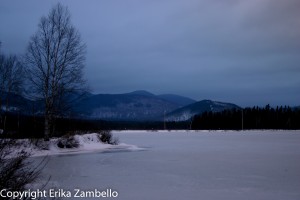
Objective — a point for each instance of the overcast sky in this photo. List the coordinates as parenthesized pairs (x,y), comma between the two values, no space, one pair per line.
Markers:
(240,51)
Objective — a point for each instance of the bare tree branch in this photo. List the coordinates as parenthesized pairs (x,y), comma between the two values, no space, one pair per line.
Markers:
(17,171)
(11,81)
(55,61)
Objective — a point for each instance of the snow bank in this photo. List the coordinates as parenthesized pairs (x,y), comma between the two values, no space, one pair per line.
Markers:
(87,143)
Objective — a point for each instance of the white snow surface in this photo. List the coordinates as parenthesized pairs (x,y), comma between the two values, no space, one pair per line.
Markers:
(189,165)
(87,143)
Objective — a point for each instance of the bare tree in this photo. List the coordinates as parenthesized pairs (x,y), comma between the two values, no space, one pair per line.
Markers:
(54,62)
(11,79)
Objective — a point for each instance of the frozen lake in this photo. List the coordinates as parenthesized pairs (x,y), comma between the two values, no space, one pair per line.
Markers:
(224,165)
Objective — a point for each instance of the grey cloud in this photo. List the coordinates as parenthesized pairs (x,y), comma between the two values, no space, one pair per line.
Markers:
(242,51)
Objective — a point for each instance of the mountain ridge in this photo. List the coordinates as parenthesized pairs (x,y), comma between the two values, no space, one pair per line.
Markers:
(183,101)
(139,105)
(186,112)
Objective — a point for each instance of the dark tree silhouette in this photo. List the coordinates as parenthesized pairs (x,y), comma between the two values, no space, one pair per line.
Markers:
(11,80)
(253,118)
(54,63)
(16,171)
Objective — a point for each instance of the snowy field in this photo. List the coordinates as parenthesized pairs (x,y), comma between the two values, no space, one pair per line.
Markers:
(180,165)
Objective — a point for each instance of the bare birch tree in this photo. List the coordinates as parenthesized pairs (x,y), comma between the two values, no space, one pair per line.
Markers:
(54,62)
(11,79)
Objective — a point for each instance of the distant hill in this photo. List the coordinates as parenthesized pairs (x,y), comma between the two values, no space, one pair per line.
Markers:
(22,105)
(137,105)
(180,100)
(129,106)
(16,103)
(199,107)
(141,92)
(133,106)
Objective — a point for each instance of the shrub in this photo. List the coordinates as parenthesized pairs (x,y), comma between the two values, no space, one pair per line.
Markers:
(16,171)
(106,136)
(41,144)
(67,142)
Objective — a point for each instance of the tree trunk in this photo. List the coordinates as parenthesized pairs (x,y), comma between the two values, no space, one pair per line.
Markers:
(1,126)
(4,124)
(19,122)
(53,125)
(47,128)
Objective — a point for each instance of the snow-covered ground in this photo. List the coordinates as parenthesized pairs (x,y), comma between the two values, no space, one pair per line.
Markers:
(208,165)
(87,143)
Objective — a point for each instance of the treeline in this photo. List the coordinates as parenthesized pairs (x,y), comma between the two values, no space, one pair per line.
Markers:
(249,118)
(29,126)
